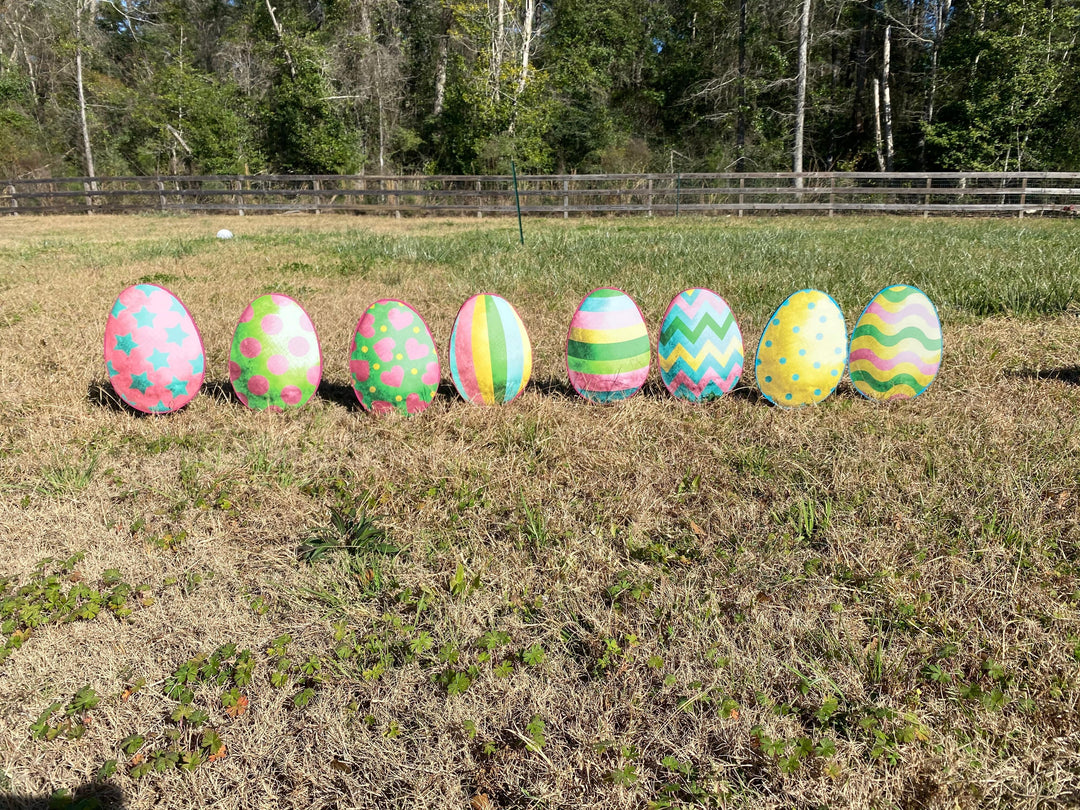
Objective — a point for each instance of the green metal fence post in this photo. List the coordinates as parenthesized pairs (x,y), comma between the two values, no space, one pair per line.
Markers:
(517,202)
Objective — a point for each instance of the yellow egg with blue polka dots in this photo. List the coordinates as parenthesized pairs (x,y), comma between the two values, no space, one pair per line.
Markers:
(803,351)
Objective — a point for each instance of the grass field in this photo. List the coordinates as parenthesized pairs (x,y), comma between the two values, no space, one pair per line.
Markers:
(570,605)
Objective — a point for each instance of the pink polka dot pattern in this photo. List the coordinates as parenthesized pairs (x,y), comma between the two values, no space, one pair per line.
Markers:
(393,360)
(276,354)
(271,324)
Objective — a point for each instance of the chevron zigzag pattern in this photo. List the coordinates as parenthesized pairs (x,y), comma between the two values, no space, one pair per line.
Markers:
(700,351)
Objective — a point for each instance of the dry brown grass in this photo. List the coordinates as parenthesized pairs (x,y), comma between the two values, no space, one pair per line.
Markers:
(702,581)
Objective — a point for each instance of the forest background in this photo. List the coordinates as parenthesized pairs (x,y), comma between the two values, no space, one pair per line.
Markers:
(136,87)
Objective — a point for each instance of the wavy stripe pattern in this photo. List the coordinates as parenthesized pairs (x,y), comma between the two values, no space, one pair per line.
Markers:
(607,347)
(700,351)
(896,347)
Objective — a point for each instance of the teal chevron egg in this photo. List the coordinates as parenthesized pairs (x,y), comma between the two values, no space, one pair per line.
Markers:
(700,352)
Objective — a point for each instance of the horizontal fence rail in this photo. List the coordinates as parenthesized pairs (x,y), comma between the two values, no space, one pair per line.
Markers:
(938,193)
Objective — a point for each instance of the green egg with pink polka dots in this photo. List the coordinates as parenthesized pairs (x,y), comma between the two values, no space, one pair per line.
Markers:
(276,362)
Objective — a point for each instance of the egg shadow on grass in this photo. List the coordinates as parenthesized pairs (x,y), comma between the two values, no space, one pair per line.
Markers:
(103,395)
(1070,375)
(553,387)
(220,391)
(747,392)
(344,394)
(101,795)
(340,394)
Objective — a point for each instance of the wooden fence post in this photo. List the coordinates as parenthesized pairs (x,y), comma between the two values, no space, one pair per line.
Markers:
(1023,196)
(832,195)
(161,193)
(565,200)
(10,191)
(742,198)
(317,186)
(926,199)
(238,187)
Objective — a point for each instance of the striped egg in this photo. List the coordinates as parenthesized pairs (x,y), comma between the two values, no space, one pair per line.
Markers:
(275,362)
(490,352)
(153,351)
(701,348)
(393,360)
(607,348)
(896,345)
(803,350)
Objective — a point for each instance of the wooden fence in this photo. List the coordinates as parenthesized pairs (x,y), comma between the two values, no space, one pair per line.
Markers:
(980,193)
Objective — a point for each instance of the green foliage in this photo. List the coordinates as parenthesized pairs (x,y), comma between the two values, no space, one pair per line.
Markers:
(356,533)
(1014,82)
(58,593)
(303,131)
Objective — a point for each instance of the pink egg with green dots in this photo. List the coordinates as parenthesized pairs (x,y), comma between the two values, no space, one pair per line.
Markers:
(276,361)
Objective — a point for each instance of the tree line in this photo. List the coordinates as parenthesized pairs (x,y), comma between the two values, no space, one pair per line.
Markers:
(122,87)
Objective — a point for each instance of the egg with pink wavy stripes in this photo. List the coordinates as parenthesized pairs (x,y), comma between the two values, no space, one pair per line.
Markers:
(393,361)
(897,345)
(276,361)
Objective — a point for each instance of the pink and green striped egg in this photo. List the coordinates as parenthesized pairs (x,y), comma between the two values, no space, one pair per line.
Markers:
(276,361)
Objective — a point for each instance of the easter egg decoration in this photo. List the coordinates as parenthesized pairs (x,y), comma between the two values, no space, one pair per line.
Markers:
(896,345)
(276,361)
(153,350)
(803,351)
(490,351)
(607,347)
(700,351)
(392,359)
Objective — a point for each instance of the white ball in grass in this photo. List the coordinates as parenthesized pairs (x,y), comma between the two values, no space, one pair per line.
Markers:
(224,233)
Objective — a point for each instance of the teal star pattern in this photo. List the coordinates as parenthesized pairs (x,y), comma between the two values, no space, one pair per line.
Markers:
(146,289)
(176,306)
(178,387)
(126,344)
(140,382)
(160,407)
(197,364)
(176,334)
(158,359)
(117,308)
(144,317)
(109,367)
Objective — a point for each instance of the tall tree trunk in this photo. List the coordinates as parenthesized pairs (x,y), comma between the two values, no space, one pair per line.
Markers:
(526,43)
(877,124)
(280,31)
(440,76)
(498,47)
(88,151)
(886,99)
(800,92)
(740,132)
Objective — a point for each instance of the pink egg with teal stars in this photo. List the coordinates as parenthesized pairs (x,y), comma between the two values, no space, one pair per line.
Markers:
(275,362)
(153,352)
